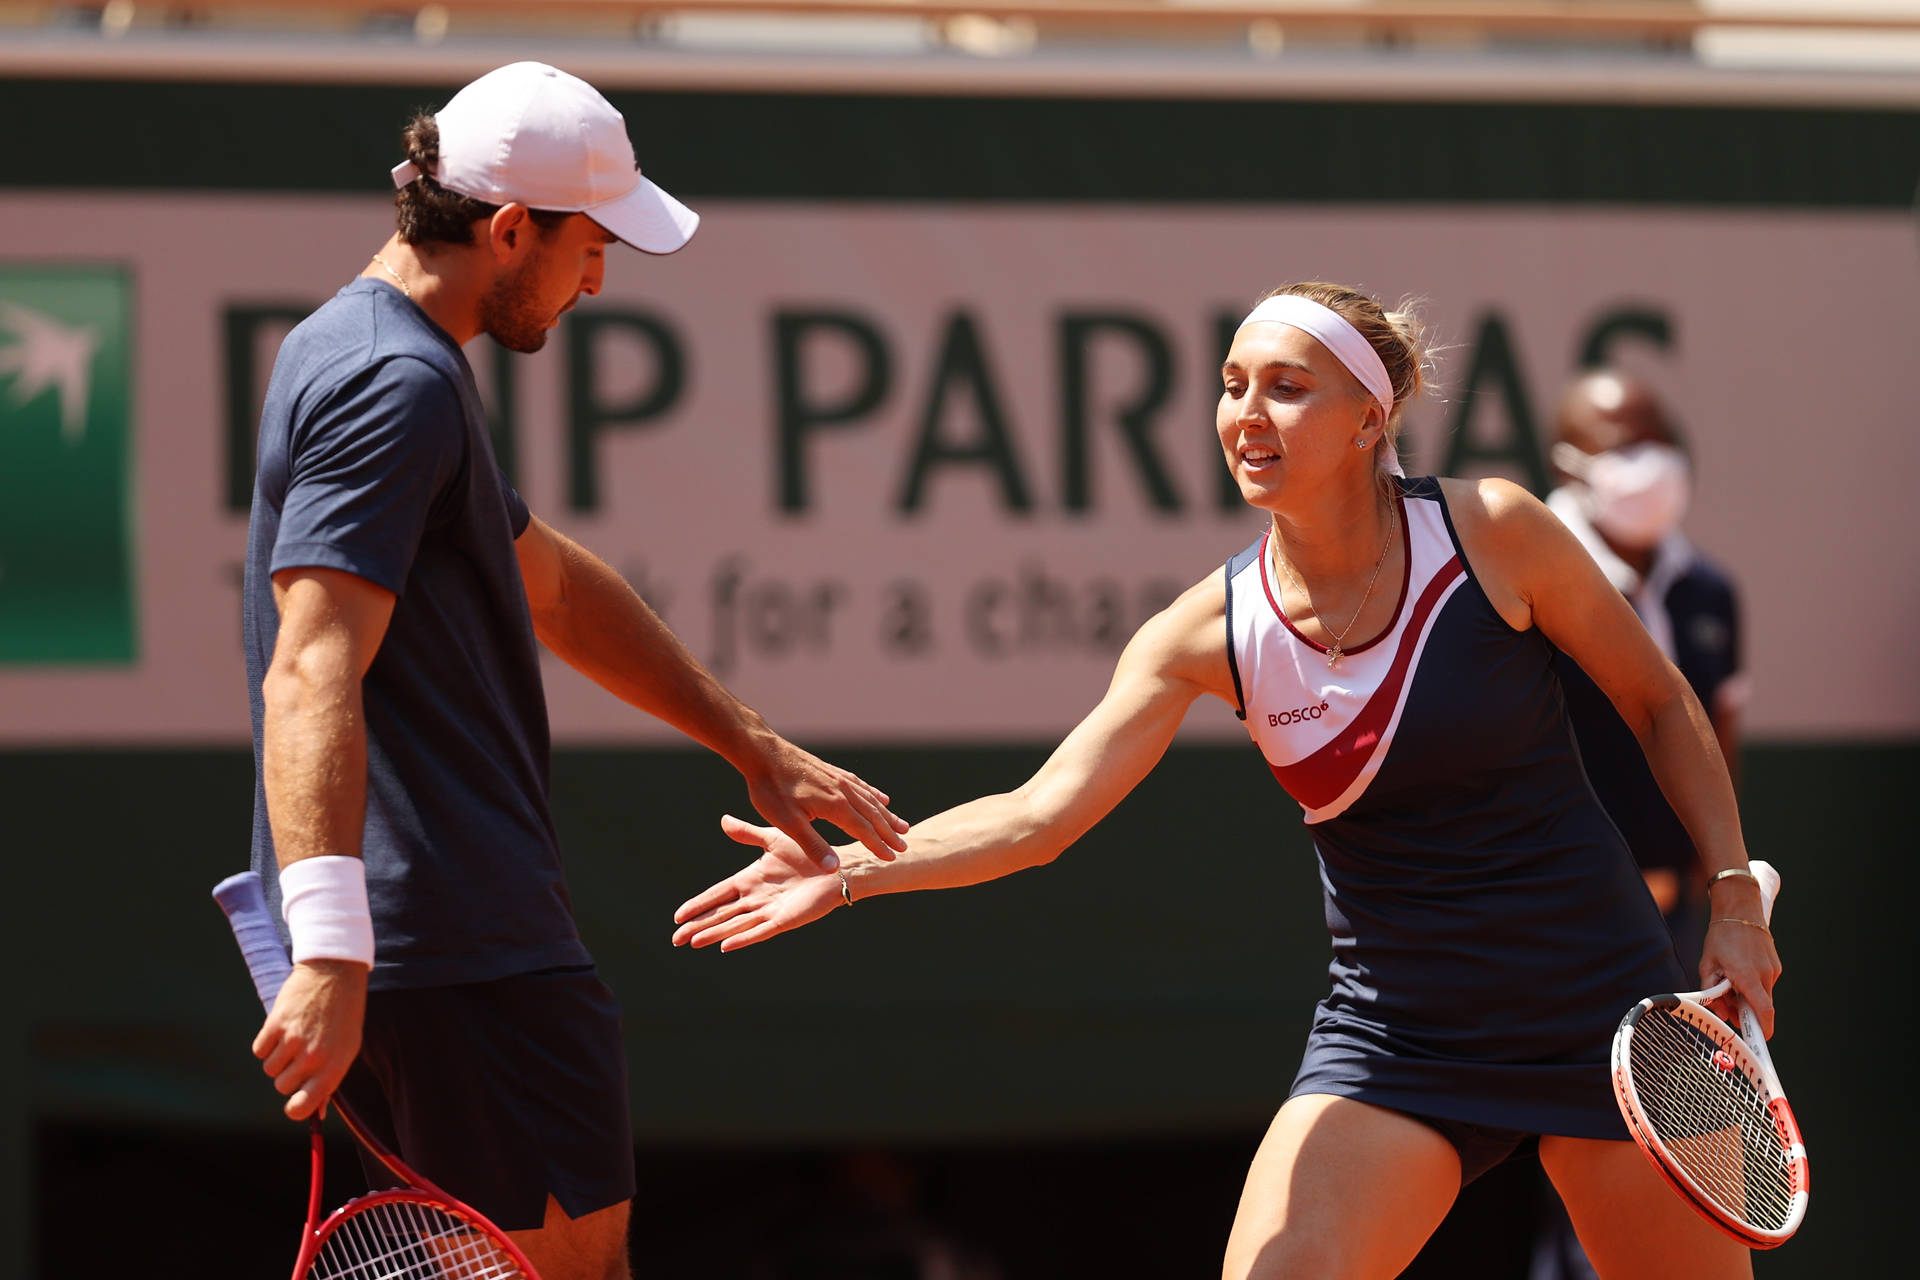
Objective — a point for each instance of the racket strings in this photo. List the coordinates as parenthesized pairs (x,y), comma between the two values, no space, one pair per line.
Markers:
(1711,1118)
(405,1240)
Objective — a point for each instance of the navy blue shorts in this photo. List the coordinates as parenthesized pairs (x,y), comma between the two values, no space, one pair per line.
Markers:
(503,1092)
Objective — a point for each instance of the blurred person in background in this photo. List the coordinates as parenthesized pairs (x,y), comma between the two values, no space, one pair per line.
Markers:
(1625,482)
(1625,486)
(1390,645)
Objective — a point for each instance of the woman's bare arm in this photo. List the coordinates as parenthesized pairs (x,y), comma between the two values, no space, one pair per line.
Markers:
(1176,656)
(1537,574)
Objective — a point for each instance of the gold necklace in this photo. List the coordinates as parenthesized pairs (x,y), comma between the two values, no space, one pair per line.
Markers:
(1334,650)
(404,288)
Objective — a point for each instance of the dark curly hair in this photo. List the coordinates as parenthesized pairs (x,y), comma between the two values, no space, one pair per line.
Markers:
(428,212)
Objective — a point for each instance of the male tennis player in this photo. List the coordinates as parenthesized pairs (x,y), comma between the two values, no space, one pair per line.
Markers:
(396,586)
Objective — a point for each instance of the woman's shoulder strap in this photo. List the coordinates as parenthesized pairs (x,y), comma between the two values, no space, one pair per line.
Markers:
(1419,487)
(1234,568)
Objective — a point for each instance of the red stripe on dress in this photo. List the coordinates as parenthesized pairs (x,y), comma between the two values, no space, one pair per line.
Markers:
(1323,777)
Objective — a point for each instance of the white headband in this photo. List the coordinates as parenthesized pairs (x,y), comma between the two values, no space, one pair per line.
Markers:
(1336,334)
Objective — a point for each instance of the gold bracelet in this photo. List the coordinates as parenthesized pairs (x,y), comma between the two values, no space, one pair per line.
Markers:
(1752,924)
(846,891)
(1718,876)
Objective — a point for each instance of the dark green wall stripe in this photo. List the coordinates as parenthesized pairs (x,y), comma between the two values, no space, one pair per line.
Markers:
(183,136)
(1180,942)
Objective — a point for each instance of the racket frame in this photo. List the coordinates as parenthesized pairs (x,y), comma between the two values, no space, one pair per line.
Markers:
(320,1230)
(1748,1054)
(1747,1049)
(244,901)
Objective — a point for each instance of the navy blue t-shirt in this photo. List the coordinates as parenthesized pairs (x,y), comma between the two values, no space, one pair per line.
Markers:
(374,459)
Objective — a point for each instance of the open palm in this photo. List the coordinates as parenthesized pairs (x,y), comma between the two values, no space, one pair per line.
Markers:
(782,889)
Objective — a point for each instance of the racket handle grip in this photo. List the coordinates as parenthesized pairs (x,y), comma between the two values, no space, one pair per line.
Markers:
(1769,886)
(1750,1026)
(245,903)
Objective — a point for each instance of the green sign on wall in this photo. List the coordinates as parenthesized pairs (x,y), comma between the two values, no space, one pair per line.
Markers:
(66,566)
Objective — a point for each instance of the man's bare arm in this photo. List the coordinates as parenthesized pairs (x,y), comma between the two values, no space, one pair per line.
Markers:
(314,750)
(314,769)
(597,624)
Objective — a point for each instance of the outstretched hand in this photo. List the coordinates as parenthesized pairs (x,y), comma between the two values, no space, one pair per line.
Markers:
(782,889)
(792,788)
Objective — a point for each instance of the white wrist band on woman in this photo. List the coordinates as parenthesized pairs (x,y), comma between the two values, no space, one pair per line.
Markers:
(324,901)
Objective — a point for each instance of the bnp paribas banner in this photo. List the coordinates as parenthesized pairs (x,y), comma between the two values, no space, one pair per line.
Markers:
(67,576)
(913,473)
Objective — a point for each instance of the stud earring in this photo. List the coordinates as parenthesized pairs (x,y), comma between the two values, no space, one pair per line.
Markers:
(1361,443)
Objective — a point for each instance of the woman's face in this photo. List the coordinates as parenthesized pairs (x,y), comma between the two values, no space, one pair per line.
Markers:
(1289,414)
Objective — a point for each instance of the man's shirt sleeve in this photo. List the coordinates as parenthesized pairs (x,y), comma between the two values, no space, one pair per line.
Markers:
(370,470)
(518,516)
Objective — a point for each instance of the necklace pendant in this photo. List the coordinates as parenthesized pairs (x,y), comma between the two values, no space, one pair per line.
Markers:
(1333,654)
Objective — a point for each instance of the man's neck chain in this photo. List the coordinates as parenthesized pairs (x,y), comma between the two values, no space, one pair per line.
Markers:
(388,268)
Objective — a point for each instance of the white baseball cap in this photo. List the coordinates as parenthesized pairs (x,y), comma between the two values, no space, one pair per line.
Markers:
(532,134)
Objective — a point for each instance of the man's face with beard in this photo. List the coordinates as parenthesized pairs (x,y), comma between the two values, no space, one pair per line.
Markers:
(529,298)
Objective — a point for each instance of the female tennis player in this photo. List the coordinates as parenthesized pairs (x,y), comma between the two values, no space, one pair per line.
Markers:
(1389,644)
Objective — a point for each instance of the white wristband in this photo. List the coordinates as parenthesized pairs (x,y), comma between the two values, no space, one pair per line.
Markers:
(324,901)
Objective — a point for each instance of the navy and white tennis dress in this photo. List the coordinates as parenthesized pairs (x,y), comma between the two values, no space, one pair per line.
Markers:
(1489,926)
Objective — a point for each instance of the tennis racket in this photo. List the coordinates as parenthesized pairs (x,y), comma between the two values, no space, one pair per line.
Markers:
(412,1232)
(1705,1105)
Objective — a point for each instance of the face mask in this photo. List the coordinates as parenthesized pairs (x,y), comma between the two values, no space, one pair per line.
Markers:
(1635,496)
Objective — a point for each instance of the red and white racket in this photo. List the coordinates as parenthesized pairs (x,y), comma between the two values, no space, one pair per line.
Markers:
(414,1231)
(1705,1105)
